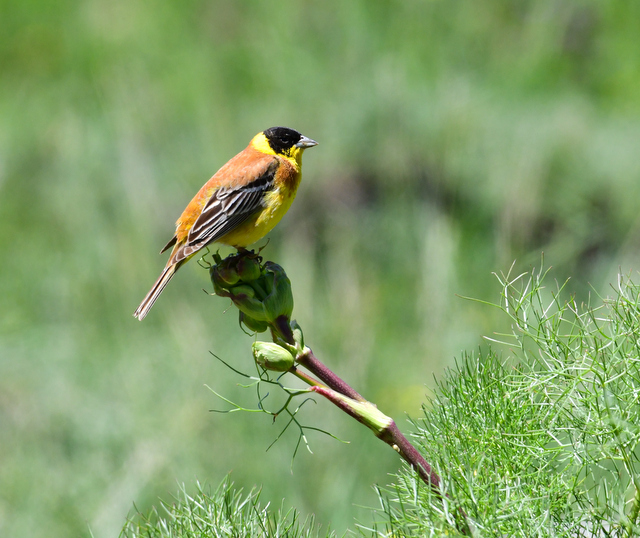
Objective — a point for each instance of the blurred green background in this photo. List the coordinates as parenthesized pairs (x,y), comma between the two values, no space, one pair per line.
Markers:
(455,137)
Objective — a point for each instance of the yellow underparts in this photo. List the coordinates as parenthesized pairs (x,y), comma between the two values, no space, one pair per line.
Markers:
(277,204)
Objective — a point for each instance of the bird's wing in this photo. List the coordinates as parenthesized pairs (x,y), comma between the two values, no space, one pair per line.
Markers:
(227,209)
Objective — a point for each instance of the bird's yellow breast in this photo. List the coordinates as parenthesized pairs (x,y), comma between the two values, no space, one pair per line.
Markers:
(276,203)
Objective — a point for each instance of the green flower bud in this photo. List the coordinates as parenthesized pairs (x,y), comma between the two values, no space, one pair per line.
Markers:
(242,291)
(219,291)
(224,274)
(244,297)
(272,356)
(253,324)
(279,301)
(261,293)
(248,268)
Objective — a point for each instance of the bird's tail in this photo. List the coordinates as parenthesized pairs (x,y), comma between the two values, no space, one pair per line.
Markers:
(155,291)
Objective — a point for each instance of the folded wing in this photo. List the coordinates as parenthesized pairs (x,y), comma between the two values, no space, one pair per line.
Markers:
(227,209)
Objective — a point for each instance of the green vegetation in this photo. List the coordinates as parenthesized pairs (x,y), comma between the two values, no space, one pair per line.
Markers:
(224,512)
(544,441)
(454,138)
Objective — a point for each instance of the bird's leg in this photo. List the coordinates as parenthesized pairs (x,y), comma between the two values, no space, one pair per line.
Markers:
(242,252)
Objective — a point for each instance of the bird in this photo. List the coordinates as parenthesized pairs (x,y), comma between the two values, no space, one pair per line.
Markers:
(240,204)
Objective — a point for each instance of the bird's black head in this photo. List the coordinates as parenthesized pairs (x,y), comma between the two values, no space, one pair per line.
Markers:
(282,139)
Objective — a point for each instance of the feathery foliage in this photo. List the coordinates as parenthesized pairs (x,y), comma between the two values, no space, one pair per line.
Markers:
(543,441)
(539,441)
(222,513)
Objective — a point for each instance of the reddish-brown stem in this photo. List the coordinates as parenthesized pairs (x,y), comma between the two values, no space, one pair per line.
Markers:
(311,363)
(394,438)
(390,433)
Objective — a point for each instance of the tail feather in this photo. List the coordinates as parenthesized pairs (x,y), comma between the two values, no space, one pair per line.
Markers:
(146,304)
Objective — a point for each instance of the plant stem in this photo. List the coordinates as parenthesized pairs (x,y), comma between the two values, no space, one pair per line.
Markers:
(394,438)
(351,402)
(633,517)
(305,377)
(311,363)
(390,434)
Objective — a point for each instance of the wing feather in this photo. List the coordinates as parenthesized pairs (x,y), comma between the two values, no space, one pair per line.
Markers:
(227,209)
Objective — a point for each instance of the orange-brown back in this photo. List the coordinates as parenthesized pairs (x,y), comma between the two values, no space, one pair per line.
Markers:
(240,170)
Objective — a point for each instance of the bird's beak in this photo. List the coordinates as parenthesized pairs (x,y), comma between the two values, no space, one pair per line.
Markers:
(306,143)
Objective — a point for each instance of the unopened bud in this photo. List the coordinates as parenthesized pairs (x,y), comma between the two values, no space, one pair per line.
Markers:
(279,301)
(244,297)
(224,275)
(262,293)
(272,356)
(253,324)
(248,268)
